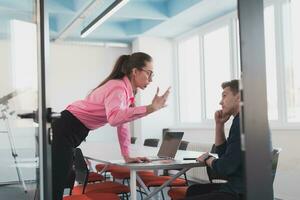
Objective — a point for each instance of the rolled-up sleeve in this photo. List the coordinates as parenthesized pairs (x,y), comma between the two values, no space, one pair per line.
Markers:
(230,161)
(124,138)
(221,149)
(117,110)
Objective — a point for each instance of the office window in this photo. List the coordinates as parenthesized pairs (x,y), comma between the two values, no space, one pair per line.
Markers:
(270,50)
(217,69)
(189,80)
(215,63)
(293,75)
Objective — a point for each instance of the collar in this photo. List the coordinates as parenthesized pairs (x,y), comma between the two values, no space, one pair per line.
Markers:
(237,115)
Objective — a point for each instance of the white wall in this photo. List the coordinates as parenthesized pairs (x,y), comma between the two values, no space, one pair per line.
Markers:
(161,51)
(74,71)
(5,68)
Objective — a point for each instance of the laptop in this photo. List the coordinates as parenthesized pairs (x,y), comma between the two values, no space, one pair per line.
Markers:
(169,146)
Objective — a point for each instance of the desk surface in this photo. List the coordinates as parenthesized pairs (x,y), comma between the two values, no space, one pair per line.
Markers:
(111,154)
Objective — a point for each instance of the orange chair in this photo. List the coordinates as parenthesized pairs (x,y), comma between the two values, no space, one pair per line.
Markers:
(95,177)
(109,168)
(157,181)
(81,177)
(93,196)
(124,173)
(177,193)
(105,187)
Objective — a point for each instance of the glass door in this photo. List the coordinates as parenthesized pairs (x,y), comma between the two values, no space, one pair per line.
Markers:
(24,153)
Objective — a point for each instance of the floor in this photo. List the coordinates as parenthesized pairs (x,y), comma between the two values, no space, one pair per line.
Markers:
(16,192)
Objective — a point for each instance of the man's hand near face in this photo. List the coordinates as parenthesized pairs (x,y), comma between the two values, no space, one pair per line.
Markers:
(220,119)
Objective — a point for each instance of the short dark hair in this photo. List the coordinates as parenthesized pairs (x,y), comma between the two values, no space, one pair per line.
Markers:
(233,85)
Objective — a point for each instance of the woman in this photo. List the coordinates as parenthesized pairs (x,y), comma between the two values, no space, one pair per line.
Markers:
(111,102)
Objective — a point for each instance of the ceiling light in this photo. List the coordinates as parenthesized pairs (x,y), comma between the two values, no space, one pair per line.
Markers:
(114,7)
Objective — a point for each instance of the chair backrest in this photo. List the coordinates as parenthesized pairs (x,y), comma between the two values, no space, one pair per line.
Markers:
(212,175)
(81,169)
(151,142)
(275,157)
(133,140)
(183,145)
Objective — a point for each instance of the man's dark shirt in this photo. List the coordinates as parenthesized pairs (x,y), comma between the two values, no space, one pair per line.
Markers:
(230,163)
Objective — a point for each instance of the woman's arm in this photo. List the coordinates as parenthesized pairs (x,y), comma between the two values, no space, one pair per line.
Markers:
(118,112)
(124,141)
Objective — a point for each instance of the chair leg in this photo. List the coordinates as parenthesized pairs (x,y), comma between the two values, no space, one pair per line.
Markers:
(186,180)
(162,194)
(140,191)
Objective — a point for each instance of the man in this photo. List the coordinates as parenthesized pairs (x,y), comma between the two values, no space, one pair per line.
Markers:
(229,163)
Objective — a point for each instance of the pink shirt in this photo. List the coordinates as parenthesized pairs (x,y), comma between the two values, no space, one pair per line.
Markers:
(110,104)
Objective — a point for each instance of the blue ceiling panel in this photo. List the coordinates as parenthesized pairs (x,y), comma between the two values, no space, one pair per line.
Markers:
(58,6)
(143,10)
(193,17)
(19,5)
(177,6)
(57,21)
(160,18)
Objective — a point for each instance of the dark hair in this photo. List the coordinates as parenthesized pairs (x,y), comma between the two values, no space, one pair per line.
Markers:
(233,85)
(125,64)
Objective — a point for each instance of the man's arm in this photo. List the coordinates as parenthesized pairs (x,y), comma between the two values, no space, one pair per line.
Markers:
(219,134)
(220,120)
(229,162)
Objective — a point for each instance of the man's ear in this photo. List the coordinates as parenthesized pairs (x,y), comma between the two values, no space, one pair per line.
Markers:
(238,96)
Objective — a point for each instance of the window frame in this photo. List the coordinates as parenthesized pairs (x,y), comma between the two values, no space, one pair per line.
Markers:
(281,60)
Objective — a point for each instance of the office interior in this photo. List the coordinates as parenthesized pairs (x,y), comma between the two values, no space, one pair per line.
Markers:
(195,47)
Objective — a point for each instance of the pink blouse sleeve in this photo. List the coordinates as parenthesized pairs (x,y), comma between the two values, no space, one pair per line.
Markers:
(117,110)
(124,138)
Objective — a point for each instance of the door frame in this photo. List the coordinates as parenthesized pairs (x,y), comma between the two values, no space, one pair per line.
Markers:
(255,131)
(44,172)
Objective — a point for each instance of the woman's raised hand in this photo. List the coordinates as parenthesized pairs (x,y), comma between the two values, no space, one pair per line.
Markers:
(158,102)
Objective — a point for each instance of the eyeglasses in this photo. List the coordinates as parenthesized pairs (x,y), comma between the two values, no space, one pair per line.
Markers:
(149,73)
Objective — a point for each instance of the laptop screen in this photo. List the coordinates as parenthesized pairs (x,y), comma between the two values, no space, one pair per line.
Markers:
(170,144)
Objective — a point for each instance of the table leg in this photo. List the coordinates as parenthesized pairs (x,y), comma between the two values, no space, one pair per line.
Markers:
(133,185)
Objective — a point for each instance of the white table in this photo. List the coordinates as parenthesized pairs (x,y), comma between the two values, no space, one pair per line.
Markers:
(110,154)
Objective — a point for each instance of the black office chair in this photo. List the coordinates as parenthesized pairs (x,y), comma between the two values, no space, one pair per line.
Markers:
(133,140)
(151,142)
(81,176)
(183,145)
(275,157)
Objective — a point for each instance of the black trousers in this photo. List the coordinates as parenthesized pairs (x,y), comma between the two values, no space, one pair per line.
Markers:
(68,133)
(209,192)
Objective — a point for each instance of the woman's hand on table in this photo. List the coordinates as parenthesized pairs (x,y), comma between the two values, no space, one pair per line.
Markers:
(136,159)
